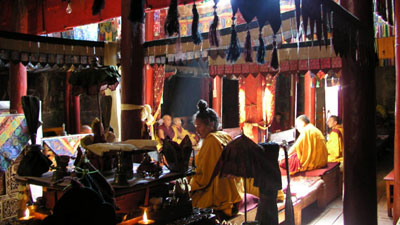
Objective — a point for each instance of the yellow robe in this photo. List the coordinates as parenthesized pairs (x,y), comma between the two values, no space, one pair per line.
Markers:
(335,145)
(179,136)
(311,149)
(223,192)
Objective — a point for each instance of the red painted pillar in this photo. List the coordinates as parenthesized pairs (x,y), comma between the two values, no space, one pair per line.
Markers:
(396,197)
(293,99)
(18,86)
(18,83)
(309,97)
(217,95)
(133,75)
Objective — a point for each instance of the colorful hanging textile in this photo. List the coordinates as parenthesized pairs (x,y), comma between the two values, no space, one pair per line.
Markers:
(386,48)
(159,77)
(14,137)
(64,145)
(110,30)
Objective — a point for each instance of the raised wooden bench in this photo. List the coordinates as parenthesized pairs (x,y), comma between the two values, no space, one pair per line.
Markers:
(389,180)
(321,185)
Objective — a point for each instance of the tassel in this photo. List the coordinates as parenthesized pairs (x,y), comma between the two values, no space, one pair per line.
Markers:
(98,5)
(213,33)
(261,49)
(325,24)
(247,48)
(171,25)
(196,36)
(137,11)
(298,12)
(234,49)
(274,59)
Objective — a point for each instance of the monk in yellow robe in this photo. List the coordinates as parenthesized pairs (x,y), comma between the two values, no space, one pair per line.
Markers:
(335,143)
(181,132)
(208,190)
(309,151)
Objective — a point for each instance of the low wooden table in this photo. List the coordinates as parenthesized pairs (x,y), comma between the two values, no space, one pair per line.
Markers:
(389,180)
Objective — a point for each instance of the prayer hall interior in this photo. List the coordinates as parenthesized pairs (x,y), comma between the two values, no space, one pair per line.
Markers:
(190,112)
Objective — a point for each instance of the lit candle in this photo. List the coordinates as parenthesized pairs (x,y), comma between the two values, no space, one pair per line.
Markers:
(145,220)
(27,215)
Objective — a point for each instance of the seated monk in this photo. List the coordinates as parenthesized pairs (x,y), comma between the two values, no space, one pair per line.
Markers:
(207,189)
(181,132)
(165,129)
(86,129)
(335,143)
(309,151)
(277,123)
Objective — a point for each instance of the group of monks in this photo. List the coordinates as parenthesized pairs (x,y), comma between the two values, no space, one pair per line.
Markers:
(311,150)
(223,194)
(172,128)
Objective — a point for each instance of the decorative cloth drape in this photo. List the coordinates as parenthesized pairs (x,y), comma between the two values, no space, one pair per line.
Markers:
(288,67)
(158,81)
(256,103)
(269,99)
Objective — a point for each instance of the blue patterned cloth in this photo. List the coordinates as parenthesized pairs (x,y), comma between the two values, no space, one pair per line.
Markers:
(14,136)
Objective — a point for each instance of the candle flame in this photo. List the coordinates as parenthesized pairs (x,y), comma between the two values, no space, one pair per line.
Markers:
(145,216)
(26,213)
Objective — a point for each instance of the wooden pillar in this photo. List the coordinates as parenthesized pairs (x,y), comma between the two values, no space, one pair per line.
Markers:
(67,103)
(396,197)
(217,95)
(309,97)
(293,99)
(132,66)
(72,109)
(359,200)
(18,86)
(77,114)
(18,83)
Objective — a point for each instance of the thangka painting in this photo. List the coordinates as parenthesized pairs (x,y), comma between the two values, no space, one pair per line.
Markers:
(14,137)
(110,30)
(64,145)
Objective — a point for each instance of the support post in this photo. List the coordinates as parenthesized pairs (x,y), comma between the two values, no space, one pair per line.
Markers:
(18,86)
(360,195)
(293,99)
(217,95)
(133,74)
(396,194)
(309,97)
(18,81)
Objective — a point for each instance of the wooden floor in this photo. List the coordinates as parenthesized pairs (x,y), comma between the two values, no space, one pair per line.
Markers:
(333,213)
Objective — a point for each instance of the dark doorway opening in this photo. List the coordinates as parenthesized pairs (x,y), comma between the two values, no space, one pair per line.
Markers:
(230,103)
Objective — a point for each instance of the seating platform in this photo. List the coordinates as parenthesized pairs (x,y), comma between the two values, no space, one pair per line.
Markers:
(389,180)
(321,186)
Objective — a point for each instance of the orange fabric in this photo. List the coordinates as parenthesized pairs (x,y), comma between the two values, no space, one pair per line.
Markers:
(335,144)
(223,192)
(311,149)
